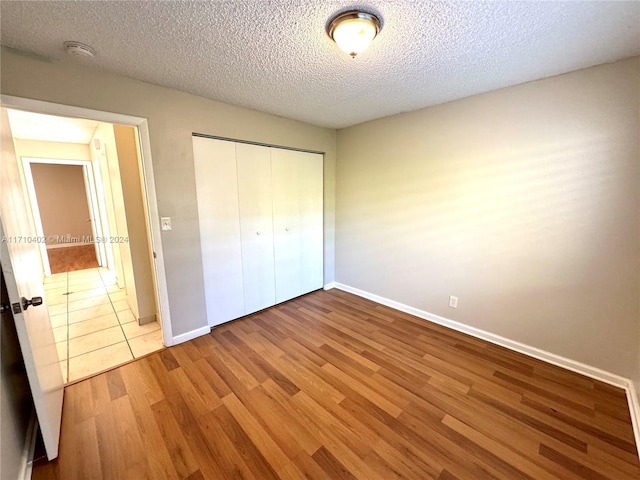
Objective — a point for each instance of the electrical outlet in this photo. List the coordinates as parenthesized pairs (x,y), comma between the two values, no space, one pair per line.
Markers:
(453,301)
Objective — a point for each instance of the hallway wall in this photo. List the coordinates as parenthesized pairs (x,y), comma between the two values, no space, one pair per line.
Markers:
(137,226)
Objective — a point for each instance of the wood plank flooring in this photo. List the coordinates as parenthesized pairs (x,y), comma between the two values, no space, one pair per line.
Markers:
(69,259)
(332,386)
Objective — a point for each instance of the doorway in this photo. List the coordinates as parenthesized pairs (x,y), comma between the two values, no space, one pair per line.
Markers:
(64,203)
(106,313)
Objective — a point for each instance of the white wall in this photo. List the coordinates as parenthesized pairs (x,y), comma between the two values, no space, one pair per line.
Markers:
(523,202)
(173,116)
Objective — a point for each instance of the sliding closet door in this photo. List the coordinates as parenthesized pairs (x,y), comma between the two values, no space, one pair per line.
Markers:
(256,225)
(261,225)
(286,223)
(310,168)
(217,193)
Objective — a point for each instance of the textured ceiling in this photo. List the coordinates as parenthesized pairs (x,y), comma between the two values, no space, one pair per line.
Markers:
(274,55)
(36,126)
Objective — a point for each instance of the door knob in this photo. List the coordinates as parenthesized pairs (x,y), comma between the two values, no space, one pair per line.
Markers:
(257,233)
(286,229)
(35,301)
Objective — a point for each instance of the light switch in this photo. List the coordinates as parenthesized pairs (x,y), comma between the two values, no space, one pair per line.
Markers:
(166,223)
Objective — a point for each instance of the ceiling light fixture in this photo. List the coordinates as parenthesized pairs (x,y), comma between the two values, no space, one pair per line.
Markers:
(354,31)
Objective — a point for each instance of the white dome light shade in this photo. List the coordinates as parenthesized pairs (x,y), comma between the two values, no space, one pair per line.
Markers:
(353,32)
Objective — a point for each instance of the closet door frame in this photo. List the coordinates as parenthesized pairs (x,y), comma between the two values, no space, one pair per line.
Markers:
(306,286)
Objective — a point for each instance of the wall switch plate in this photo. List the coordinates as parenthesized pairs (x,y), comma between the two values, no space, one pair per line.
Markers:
(453,301)
(165,222)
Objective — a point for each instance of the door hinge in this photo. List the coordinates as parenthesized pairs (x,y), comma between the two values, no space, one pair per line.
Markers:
(154,255)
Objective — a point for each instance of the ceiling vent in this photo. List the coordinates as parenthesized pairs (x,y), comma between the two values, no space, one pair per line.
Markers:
(78,49)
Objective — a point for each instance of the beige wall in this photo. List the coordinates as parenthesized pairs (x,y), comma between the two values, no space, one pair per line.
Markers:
(122,263)
(134,205)
(523,202)
(173,116)
(62,202)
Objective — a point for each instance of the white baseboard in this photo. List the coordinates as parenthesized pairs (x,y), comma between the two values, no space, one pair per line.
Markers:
(198,332)
(29,448)
(634,410)
(558,360)
(329,286)
(149,319)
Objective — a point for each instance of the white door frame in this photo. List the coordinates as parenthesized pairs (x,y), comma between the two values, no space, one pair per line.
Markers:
(103,216)
(89,185)
(97,228)
(149,188)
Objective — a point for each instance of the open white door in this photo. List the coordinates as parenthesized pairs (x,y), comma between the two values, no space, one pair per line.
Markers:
(23,274)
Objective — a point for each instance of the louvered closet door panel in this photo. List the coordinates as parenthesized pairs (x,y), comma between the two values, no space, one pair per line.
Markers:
(256,225)
(310,167)
(217,193)
(286,223)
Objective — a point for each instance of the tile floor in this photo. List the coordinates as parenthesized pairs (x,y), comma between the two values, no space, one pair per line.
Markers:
(93,325)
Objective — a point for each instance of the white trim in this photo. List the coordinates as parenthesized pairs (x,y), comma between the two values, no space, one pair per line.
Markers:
(552,358)
(147,168)
(103,214)
(155,232)
(634,410)
(148,319)
(94,212)
(185,337)
(329,286)
(534,352)
(38,106)
(29,447)
(56,161)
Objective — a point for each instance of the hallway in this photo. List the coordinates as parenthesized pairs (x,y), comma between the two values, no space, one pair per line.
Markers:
(93,325)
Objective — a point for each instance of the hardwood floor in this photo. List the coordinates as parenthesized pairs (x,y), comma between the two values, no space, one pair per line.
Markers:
(332,386)
(69,259)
